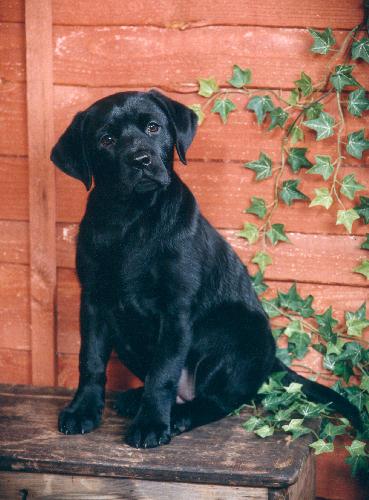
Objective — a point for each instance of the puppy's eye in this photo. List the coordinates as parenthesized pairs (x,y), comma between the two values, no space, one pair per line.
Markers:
(107,140)
(152,128)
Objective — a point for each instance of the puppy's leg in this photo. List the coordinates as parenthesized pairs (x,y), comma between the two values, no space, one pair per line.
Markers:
(84,412)
(151,426)
(128,402)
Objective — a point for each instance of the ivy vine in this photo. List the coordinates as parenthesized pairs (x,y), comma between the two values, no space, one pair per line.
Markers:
(297,326)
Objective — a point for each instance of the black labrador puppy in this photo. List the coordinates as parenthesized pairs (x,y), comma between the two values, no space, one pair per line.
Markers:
(159,284)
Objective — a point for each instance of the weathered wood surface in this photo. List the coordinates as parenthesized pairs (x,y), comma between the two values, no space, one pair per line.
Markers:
(218,453)
(184,14)
(311,258)
(15,366)
(52,486)
(85,55)
(41,190)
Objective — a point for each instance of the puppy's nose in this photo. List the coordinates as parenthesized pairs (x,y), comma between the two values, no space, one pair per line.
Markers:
(143,159)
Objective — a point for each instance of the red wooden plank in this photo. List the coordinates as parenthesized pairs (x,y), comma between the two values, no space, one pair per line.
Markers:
(184,14)
(13,119)
(41,190)
(342,298)
(13,188)
(14,242)
(174,59)
(224,190)
(15,366)
(14,307)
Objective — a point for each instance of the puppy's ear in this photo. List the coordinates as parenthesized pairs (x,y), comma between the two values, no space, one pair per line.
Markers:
(68,153)
(183,119)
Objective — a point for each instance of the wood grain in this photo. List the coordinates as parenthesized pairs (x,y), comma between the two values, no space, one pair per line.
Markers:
(240,139)
(14,307)
(13,118)
(311,258)
(218,453)
(184,14)
(14,188)
(41,191)
(14,242)
(85,55)
(51,486)
(224,190)
(15,366)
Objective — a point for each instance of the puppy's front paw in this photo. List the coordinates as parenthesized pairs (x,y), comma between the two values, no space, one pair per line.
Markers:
(75,421)
(147,434)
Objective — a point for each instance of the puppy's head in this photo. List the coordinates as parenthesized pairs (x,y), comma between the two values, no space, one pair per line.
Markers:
(126,141)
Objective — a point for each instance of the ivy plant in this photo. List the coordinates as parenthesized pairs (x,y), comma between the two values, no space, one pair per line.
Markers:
(297,326)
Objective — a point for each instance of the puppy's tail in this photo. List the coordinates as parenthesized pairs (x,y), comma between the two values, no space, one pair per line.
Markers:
(321,394)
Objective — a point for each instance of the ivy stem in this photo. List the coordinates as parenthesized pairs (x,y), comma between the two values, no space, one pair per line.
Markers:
(339,150)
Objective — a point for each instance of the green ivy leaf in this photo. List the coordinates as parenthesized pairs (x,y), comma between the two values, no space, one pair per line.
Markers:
(240,77)
(356,321)
(261,105)
(223,107)
(359,465)
(346,218)
(296,134)
(357,102)
(263,260)
(197,109)
(330,431)
(262,167)
(207,87)
(257,207)
(293,327)
(271,307)
(365,244)
(298,344)
(310,410)
(321,446)
(265,431)
(278,118)
(293,98)
(258,283)
(357,448)
(351,351)
(313,110)
(342,77)
(276,233)
(356,144)
(289,192)
(355,396)
(364,384)
(349,186)
(297,159)
(323,125)
(250,232)
(323,198)
(294,388)
(326,323)
(363,208)
(252,423)
(360,49)
(323,41)
(323,167)
(363,268)
(304,84)
(293,301)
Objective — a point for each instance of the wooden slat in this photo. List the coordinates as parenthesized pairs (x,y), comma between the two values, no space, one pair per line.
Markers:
(13,188)
(311,258)
(41,190)
(170,58)
(12,52)
(224,190)
(14,307)
(13,122)
(218,453)
(240,139)
(342,298)
(15,366)
(14,242)
(184,14)
(119,377)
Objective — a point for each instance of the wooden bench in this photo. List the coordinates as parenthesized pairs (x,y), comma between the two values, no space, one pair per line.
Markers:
(217,461)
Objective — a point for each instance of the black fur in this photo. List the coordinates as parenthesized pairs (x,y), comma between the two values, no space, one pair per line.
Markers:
(159,284)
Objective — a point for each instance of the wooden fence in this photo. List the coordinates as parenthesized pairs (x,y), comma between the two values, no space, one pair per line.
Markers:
(57,58)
